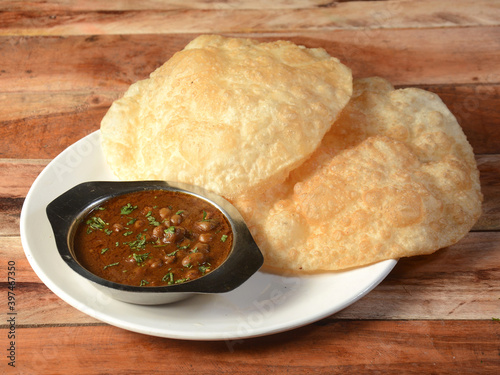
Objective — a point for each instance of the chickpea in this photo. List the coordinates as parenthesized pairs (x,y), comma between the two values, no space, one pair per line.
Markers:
(208,215)
(165,212)
(202,247)
(168,259)
(185,243)
(156,264)
(194,259)
(206,237)
(175,235)
(118,227)
(205,226)
(158,232)
(146,210)
(139,223)
(192,274)
(176,219)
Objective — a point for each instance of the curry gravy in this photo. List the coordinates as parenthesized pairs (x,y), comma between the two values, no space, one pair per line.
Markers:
(153,238)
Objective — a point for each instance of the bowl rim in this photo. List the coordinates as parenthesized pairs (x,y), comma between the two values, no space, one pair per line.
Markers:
(65,211)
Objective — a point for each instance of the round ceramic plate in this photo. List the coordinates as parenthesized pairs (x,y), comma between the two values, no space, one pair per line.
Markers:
(263,305)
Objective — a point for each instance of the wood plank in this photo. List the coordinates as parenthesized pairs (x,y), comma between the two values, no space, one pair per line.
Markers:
(29,105)
(489,169)
(58,119)
(122,5)
(44,137)
(18,176)
(409,347)
(10,210)
(80,63)
(111,63)
(12,250)
(456,283)
(37,305)
(348,15)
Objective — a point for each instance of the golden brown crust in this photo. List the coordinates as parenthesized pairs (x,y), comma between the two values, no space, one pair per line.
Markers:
(232,115)
(394,177)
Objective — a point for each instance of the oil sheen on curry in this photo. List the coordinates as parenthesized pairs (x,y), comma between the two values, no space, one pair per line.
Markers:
(153,238)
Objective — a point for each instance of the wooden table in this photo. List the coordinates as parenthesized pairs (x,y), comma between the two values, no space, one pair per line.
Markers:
(62,63)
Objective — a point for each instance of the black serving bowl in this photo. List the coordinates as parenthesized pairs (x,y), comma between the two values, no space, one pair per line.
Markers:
(65,212)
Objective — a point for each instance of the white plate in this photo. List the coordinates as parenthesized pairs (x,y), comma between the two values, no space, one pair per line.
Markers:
(265,304)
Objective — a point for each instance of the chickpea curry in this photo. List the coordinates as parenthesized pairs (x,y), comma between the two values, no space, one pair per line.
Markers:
(153,238)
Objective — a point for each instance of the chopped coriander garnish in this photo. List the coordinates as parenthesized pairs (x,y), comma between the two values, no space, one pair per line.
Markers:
(111,265)
(131,221)
(96,223)
(128,233)
(143,283)
(153,221)
(139,258)
(223,238)
(170,229)
(140,243)
(179,212)
(127,209)
(172,253)
(204,268)
(168,278)
(104,250)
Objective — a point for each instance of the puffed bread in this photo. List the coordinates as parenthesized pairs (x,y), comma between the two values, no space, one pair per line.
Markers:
(232,115)
(394,177)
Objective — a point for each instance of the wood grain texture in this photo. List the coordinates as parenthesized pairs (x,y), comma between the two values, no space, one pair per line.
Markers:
(180,19)
(489,168)
(63,62)
(40,125)
(18,176)
(456,283)
(121,5)
(333,347)
(113,62)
